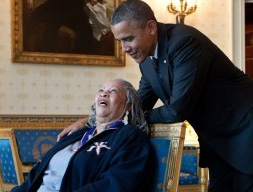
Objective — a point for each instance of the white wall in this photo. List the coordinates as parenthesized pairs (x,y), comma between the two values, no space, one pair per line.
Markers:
(67,89)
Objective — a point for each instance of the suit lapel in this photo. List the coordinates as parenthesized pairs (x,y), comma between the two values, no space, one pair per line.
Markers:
(149,71)
(166,81)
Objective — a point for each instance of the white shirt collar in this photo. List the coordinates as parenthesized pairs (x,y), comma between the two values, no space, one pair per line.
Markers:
(156,52)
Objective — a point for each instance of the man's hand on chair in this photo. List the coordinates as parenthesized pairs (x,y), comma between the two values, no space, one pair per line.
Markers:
(72,128)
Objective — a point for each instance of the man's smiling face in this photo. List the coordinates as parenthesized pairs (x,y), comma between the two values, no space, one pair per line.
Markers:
(138,42)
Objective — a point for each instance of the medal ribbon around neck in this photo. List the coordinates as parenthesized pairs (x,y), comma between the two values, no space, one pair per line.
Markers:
(89,134)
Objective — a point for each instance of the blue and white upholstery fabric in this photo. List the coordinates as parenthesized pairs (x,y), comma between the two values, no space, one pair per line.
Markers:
(189,168)
(161,149)
(7,166)
(33,144)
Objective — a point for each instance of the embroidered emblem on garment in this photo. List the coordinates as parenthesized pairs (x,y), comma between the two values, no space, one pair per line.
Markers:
(98,146)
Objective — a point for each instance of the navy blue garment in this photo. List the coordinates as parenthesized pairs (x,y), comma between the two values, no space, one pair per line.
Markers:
(200,84)
(122,166)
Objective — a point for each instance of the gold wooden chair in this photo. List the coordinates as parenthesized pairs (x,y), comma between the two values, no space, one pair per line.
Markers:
(20,149)
(23,141)
(167,141)
(192,177)
(10,170)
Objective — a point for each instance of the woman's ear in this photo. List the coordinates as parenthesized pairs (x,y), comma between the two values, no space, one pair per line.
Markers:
(125,120)
(152,26)
(128,107)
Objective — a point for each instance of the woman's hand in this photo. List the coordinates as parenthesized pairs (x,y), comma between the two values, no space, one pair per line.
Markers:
(72,128)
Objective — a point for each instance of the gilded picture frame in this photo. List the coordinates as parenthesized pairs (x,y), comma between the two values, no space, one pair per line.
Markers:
(39,37)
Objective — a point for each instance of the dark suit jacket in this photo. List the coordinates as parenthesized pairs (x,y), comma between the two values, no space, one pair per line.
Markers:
(201,85)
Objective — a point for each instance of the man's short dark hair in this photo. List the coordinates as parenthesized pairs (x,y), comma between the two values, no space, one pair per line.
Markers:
(135,11)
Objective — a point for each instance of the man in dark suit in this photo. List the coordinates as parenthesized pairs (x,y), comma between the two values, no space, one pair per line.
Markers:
(196,82)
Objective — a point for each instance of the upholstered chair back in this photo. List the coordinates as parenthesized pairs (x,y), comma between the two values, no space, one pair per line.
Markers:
(167,142)
(33,144)
(8,173)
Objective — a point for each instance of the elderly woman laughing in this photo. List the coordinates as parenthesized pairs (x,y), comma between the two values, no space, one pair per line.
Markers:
(111,154)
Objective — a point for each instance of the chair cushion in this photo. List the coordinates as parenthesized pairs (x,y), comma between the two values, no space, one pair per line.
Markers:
(189,167)
(189,164)
(188,179)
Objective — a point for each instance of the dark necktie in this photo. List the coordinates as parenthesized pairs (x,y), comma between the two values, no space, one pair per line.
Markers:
(156,66)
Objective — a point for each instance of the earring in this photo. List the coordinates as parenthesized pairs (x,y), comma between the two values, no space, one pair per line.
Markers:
(126,118)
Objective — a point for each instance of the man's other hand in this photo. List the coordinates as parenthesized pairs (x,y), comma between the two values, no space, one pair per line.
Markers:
(72,128)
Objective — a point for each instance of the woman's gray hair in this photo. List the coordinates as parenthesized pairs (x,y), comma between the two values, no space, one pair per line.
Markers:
(135,11)
(135,116)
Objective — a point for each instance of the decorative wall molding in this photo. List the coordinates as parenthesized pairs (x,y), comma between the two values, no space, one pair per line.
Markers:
(238,30)
(37,121)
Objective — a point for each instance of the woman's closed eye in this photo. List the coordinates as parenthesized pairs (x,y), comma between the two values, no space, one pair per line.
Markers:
(114,90)
(100,90)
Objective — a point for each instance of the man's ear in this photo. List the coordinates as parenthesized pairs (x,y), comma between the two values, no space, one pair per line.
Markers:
(152,26)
